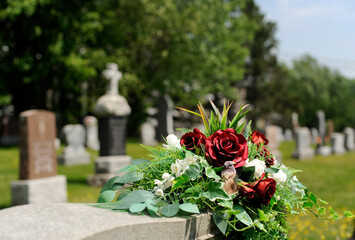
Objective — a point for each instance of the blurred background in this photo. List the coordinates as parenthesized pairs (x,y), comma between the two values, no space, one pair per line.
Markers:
(281,57)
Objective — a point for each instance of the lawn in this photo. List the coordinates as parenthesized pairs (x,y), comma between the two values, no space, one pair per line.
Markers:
(331,178)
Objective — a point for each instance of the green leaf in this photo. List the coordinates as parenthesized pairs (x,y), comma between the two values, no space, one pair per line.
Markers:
(212,174)
(221,221)
(321,211)
(193,172)
(137,207)
(215,191)
(242,215)
(348,214)
(313,198)
(271,170)
(262,216)
(138,196)
(247,173)
(106,196)
(226,204)
(138,162)
(122,195)
(259,225)
(128,168)
(170,210)
(111,185)
(179,181)
(152,209)
(189,207)
(129,177)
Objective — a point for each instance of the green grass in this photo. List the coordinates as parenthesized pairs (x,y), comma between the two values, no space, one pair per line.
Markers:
(331,178)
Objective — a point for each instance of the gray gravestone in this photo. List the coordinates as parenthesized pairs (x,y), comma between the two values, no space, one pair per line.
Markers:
(272,133)
(165,118)
(288,135)
(338,142)
(315,135)
(39,182)
(92,133)
(112,110)
(303,142)
(74,153)
(349,139)
(321,148)
(148,132)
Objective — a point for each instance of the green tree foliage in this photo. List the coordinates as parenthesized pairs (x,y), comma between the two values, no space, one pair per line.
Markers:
(184,48)
(42,61)
(314,87)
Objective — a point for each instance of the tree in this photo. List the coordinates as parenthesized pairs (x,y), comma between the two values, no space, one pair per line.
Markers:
(42,61)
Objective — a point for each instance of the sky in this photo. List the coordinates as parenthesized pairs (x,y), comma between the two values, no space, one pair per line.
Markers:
(324,29)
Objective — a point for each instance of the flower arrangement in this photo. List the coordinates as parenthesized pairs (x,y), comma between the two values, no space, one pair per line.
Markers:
(226,170)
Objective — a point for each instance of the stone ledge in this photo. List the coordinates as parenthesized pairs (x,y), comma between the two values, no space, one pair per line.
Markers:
(79,221)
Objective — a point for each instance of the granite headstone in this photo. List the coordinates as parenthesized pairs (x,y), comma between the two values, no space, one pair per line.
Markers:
(92,133)
(337,141)
(39,181)
(349,139)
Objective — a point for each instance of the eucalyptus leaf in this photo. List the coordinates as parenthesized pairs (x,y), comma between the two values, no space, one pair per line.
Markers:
(111,184)
(170,210)
(106,196)
(189,207)
(152,209)
(129,177)
(138,196)
(221,221)
(138,162)
(128,168)
(137,207)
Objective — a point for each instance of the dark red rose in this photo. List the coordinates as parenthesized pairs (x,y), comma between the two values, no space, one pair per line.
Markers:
(246,190)
(193,140)
(259,138)
(226,145)
(269,159)
(265,189)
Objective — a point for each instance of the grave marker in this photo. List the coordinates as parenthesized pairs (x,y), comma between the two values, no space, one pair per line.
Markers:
(39,181)
(303,142)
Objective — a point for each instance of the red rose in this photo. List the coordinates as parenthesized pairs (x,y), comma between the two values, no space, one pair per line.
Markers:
(265,189)
(260,192)
(246,190)
(269,160)
(193,140)
(226,145)
(259,138)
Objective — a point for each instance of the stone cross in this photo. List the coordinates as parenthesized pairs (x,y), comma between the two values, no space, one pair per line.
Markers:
(114,76)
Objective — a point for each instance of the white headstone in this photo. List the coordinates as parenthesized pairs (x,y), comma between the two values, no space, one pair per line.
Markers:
(92,133)
(349,138)
(337,141)
(303,143)
(75,152)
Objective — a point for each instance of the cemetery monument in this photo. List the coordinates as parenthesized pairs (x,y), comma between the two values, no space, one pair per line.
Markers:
(322,149)
(112,110)
(303,144)
(39,182)
(75,153)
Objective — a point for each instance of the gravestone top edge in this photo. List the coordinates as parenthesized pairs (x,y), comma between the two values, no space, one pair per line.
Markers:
(31,112)
(112,105)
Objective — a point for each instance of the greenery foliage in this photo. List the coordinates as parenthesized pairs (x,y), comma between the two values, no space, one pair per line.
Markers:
(179,181)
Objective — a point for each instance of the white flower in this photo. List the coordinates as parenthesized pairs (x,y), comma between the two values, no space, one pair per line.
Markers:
(172,141)
(159,192)
(177,167)
(259,167)
(279,177)
(295,178)
(158,182)
(166,176)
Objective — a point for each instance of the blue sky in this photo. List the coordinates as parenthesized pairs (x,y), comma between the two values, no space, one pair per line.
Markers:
(324,29)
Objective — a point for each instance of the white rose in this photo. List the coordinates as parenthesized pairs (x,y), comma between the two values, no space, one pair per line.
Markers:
(176,168)
(166,176)
(172,141)
(159,192)
(279,177)
(259,167)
